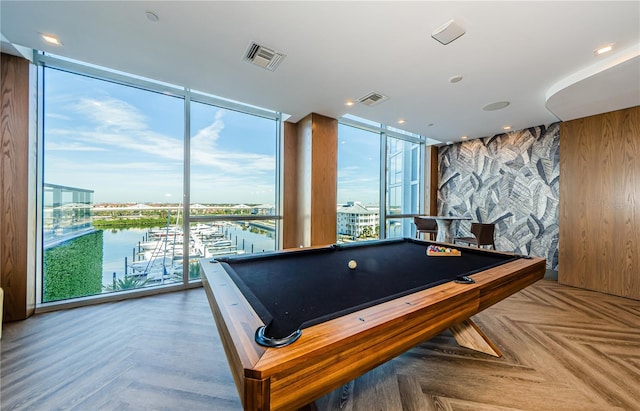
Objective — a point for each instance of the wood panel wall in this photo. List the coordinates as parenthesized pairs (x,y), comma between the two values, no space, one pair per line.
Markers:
(599,246)
(17,203)
(303,172)
(291,236)
(324,180)
(310,182)
(431,180)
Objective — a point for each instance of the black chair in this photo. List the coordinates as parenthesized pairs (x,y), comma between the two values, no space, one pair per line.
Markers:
(483,235)
(425,225)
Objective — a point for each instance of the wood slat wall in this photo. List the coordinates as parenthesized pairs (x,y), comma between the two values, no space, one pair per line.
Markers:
(599,246)
(17,202)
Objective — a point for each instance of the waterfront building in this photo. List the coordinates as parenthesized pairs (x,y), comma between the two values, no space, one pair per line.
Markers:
(72,247)
(67,212)
(356,220)
(264,209)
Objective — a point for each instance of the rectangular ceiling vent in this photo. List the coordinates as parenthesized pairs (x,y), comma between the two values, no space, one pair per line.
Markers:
(372,99)
(263,56)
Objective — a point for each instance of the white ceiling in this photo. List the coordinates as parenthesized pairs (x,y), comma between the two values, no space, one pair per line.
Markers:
(537,55)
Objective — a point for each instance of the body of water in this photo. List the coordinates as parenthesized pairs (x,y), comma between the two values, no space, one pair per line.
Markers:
(121,243)
(249,241)
(118,244)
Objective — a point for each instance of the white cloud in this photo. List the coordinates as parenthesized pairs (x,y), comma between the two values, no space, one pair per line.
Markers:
(112,114)
(205,151)
(57,116)
(120,125)
(120,129)
(53,146)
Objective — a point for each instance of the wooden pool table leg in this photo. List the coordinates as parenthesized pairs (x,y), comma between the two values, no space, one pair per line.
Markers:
(469,335)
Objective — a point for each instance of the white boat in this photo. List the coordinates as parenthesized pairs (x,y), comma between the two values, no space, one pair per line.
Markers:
(150,245)
(220,252)
(199,227)
(146,265)
(212,233)
(158,233)
(221,244)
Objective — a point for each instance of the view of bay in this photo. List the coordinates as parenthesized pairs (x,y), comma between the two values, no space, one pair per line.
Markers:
(121,243)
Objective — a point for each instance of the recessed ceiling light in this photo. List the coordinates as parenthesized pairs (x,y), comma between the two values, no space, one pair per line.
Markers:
(506,128)
(498,105)
(51,39)
(349,103)
(401,121)
(604,49)
(455,79)
(464,137)
(152,17)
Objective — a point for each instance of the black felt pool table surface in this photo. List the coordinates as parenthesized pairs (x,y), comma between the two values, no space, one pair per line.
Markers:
(293,290)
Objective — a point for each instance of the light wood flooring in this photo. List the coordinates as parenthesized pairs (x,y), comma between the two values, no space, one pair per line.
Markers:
(563,349)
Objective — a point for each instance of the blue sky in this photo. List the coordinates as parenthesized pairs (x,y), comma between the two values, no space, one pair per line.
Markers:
(358,165)
(127,145)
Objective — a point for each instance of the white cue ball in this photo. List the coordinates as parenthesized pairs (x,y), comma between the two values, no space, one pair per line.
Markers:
(352,264)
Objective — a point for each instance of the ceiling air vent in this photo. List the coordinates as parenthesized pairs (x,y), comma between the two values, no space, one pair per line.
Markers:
(372,99)
(263,56)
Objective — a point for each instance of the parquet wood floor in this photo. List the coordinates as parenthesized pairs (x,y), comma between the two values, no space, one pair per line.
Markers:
(563,349)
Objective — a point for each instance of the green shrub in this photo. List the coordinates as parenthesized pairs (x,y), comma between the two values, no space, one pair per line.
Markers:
(127,283)
(146,222)
(194,271)
(73,268)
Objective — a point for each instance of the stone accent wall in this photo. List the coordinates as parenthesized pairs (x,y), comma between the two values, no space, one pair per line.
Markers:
(511,180)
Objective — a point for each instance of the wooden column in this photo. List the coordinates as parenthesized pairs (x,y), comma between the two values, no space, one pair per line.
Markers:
(310,182)
(431,180)
(17,182)
(291,235)
(599,243)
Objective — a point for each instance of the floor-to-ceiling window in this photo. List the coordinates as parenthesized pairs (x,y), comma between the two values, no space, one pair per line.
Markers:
(383,165)
(233,191)
(125,146)
(358,214)
(404,186)
(128,201)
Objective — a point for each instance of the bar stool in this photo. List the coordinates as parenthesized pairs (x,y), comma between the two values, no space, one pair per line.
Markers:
(483,235)
(425,225)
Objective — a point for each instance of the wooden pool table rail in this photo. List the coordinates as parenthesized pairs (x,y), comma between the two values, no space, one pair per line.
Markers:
(333,353)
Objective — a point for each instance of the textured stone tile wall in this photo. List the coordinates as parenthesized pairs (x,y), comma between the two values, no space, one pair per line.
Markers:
(511,180)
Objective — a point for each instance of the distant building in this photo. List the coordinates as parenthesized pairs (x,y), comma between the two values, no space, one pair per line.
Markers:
(264,209)
(67,213)
(354,220)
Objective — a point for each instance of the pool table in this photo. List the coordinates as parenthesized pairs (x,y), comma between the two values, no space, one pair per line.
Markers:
(297,324)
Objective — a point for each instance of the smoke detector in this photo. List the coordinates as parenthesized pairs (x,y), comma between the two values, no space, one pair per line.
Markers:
(372,98)
(263,56)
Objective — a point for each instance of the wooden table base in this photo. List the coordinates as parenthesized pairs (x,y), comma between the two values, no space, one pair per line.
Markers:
(469,335)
